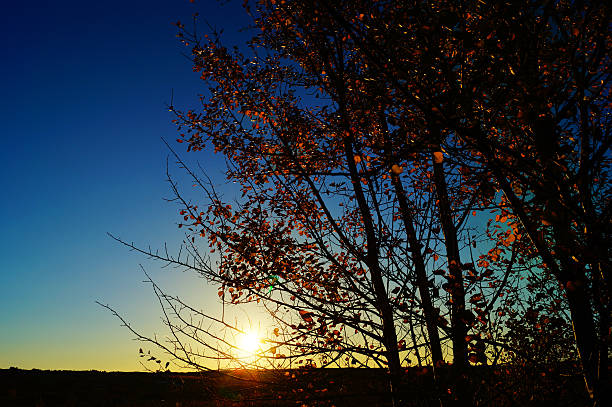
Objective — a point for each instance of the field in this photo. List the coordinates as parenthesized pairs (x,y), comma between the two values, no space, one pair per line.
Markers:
(329,387)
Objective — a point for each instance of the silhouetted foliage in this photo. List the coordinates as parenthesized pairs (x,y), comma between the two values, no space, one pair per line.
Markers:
(369,140)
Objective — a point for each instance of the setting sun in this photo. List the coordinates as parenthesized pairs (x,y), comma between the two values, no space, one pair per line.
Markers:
(249,342)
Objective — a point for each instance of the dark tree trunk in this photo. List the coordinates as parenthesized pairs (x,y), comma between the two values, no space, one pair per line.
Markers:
(430,313)
(459,327)
(591,343)
(380,293)
(431,316)
(586,338)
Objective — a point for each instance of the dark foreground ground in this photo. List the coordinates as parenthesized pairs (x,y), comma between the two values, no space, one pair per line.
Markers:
(329,387)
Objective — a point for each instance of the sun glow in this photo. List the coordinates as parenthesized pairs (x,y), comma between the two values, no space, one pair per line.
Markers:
(249,343)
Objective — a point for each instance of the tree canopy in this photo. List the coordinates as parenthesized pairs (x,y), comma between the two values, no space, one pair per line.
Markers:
(421,182)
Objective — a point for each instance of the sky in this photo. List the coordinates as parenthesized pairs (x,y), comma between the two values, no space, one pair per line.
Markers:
(85,87)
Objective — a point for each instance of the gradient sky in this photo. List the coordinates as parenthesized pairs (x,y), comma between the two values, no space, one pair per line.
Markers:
(83,109)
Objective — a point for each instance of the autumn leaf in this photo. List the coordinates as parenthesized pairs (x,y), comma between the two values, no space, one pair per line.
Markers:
(306,316)
(396,169)
(438,157)
(475,298)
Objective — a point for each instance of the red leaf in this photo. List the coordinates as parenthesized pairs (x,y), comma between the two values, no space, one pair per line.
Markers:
(475,298)
(306,316)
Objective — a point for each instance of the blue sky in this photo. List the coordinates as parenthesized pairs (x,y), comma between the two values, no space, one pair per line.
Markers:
(84,90)
(83,110)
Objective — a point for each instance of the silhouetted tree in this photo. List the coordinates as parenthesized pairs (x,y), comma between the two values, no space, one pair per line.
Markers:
(524,89)
(363,136)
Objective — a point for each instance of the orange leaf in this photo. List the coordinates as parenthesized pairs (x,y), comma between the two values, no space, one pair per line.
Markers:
(438,157)
(396,169)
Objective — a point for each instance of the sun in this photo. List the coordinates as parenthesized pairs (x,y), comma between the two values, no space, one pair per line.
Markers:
(249,343)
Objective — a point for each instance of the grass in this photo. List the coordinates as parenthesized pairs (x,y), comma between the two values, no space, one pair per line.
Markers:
(506,386)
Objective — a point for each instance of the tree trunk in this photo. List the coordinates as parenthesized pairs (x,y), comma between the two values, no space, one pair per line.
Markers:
(431,316)
(586,338)
(583,301)
(590,346)
(380,293)
(429,312)
(458,326)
